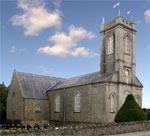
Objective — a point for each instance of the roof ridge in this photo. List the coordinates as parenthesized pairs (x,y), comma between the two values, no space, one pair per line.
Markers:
(82,75)
(31,74)
(94,77)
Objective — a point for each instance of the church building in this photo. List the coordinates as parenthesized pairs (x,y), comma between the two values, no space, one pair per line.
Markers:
(90,98)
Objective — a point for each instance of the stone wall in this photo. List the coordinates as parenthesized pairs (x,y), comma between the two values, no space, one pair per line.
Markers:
(92,104)
(36,116)
(83,116)
(88,129)
(15,88)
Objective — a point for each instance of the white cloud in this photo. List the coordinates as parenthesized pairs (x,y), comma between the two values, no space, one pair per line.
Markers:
(81,51)
(79,33)
(147,16)
(44,70)
(35,17)
(57,3)
(14,49)
(66,44)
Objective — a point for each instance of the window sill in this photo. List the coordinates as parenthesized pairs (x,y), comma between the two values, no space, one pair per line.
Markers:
(37,111)
(109,54)
(77,112)
(57,112)
(127,54)
(113,112)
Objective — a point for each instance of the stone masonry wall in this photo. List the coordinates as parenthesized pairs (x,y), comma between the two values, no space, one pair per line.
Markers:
(88,130)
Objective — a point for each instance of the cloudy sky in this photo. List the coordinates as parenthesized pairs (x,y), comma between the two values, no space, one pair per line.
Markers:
(61,38)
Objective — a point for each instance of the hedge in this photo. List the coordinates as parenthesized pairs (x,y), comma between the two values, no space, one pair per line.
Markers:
(130,111)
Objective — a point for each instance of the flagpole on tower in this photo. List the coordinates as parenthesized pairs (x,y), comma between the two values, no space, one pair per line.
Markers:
(119,13)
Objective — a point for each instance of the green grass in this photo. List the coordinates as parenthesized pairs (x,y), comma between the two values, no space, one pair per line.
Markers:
(7,130)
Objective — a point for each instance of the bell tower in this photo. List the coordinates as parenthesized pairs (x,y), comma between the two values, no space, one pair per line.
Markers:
(118,46)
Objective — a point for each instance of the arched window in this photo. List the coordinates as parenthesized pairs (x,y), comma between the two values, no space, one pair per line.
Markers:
(37,108)
(137,98)
(14,102)
(126,44)
(57,103)
(112,103)
(77,103)
(110,48)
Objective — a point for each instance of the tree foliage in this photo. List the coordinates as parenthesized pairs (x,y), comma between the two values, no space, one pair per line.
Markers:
(3,100)
(147,113)
(130,111)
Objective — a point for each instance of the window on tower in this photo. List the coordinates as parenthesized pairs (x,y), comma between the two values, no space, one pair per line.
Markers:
(110,48)
(126,44)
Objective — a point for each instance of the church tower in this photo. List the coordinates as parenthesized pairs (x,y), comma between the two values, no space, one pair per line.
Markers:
(118,47)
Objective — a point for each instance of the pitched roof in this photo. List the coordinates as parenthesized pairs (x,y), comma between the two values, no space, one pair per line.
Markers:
(35,86)
(95,77)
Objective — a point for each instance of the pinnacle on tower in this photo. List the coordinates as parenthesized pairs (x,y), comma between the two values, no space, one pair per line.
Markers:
(103,22)
(132,19)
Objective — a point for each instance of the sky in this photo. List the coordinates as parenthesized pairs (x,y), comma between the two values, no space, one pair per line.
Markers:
(61,37)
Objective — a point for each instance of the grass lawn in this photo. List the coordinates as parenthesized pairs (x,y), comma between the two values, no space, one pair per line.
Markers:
(7,130)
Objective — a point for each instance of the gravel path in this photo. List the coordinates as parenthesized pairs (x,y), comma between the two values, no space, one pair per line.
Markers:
(145,133)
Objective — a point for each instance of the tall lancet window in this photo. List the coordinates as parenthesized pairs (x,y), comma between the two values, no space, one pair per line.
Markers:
(126,44)
(57,103)
(14,102)
(112,103)
(77,103)
(110,48)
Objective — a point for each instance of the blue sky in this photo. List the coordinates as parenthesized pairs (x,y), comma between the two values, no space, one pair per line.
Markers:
(61,38)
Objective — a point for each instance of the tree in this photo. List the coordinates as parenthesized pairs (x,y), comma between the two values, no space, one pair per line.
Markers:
(148,115)
(130,111)
(3,100)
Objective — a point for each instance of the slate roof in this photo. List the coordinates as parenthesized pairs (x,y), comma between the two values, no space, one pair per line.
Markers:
(35,86)
(95,77)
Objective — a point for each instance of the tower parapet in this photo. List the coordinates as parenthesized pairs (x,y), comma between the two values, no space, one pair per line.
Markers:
(119,21)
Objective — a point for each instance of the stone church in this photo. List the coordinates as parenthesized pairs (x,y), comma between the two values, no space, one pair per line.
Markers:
(94,97)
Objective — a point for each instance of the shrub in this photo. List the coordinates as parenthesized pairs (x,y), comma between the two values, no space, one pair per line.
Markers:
(148,115)
(144,109)
(130,111)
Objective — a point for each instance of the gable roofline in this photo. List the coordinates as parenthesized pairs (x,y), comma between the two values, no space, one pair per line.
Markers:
(38,75)
(139,82)
(34,86)
(20,87)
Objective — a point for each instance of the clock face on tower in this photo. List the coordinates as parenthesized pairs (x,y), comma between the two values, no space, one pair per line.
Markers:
(127,73)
